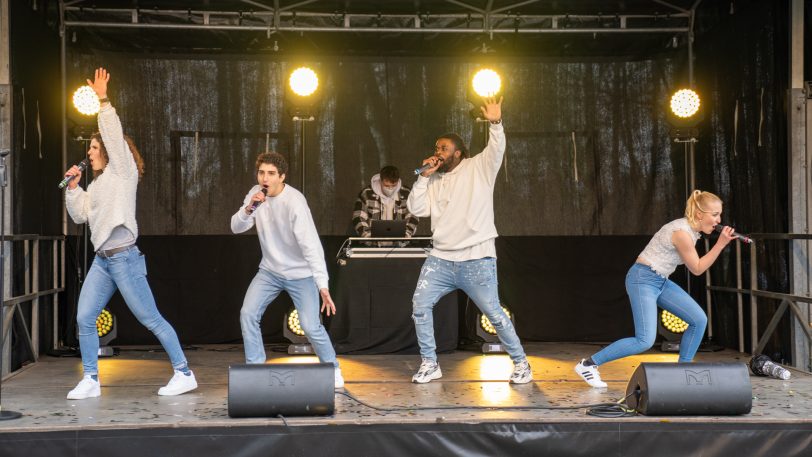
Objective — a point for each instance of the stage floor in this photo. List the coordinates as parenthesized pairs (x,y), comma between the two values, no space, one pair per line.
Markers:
(130,382)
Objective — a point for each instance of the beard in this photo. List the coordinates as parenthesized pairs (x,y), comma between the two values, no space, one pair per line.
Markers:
(448,165)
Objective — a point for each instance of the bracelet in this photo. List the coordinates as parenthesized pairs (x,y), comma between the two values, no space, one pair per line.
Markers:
(498,121)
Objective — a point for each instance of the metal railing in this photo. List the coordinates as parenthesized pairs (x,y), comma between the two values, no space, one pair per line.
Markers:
(788,301)
(32,292)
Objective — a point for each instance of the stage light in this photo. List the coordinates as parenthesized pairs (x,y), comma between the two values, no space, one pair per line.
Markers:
(303,81)
(685,103)
(487,332)
(293,332)
(86,101)
(673,323)
(486,83)
(671,328)
(106,329)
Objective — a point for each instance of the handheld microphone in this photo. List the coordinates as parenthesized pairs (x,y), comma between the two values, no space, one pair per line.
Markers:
(257,203)
(427,166)
(742,238)
(82,165)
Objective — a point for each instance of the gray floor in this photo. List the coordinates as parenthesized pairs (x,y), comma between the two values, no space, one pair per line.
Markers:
(130,382)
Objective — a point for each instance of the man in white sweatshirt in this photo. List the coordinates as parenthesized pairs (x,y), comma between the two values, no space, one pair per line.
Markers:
(457,193)
(292,261)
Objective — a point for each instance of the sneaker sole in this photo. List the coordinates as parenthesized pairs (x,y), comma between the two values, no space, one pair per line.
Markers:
(521,381)
(166,394)
(93,394)
(436,375)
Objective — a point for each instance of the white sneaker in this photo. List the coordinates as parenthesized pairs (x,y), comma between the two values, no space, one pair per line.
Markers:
(339,379)
(522,374)
(179,384)
(429,369)
(589,373)
(87,388)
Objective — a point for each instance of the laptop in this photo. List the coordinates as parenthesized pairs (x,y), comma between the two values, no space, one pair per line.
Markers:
(388,229)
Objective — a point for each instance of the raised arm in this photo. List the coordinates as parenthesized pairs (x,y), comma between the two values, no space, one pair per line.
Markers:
(121,161)
(490,159)
(418,202)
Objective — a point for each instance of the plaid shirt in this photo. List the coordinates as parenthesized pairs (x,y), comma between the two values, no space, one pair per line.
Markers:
(368,207)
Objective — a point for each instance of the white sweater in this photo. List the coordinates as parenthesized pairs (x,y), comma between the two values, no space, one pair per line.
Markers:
(287,235)
(110,198)
(460,203)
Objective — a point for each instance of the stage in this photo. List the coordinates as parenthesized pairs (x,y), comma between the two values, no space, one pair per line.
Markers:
(131,419)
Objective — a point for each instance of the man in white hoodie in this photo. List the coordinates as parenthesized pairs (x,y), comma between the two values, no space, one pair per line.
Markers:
(384,199)
(292,261)
(457,193)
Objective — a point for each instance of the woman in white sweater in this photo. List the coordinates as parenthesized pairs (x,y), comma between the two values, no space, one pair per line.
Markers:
(648,285)
(108,206)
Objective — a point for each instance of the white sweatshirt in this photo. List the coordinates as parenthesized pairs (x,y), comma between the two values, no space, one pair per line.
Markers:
(287,235)
(110,198)
(460,203)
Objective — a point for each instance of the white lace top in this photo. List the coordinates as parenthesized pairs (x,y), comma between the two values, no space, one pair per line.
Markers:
(661,253)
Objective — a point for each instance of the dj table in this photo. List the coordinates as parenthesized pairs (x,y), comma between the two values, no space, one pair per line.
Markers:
(373,289)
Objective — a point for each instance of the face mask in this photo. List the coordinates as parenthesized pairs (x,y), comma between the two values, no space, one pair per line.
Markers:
(388,191)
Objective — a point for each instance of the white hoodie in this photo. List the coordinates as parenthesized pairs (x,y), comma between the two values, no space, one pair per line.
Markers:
(460,203)
(387,202)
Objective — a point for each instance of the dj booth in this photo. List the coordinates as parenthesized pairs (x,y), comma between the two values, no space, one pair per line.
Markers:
(373,287)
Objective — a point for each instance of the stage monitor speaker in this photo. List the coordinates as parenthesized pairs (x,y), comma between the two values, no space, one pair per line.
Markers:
(287,389)
(702,389)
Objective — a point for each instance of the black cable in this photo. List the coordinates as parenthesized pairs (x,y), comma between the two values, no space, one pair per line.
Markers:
(284,421)
(613,410)
(489,408)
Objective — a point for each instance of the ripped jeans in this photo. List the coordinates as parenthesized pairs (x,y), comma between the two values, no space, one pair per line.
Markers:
(477,278)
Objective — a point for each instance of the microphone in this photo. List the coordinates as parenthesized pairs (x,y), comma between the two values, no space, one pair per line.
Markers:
(761,365)
(82,165)
(427,166)
(257,203)
(742,238)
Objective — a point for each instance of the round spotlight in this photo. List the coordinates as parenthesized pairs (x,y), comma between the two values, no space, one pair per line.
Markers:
(673,323)
(293,323)
(104,323)
(486,325)
(303,81)
(86,101)
(487,83)
(684,103)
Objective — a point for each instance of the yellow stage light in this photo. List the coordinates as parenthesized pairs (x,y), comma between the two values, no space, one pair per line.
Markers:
(303,81)
(487,83)
(104,323)
(673,323)
(486,325)
(86,101)
(293,323)
(685,103)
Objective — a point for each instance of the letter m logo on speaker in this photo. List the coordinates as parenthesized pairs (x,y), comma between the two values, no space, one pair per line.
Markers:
(281,378)
(698,378)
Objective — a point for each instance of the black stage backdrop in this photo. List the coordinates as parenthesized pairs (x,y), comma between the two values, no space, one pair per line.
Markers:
(588,155)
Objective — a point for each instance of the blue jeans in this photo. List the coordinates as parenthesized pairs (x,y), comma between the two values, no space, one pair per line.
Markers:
(477,278)
(264,288)
(127,272)
(647,290)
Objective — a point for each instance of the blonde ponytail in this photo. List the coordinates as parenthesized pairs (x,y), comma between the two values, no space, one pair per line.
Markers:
(698,201)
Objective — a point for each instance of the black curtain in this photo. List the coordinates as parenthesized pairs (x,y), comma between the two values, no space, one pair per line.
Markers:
(588,147)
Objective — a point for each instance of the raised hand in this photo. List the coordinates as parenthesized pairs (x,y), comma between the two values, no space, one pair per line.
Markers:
(99,84)
(492,109)
(435,163)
